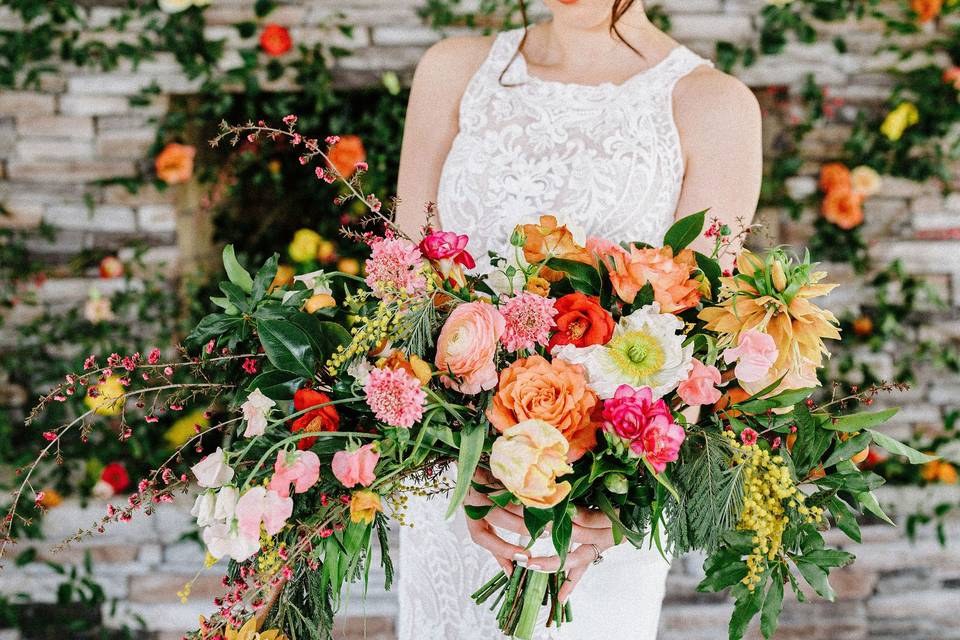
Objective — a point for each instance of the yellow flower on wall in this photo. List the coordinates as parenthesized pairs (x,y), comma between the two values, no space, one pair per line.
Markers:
(184,428)
(897,121)
(109,399)
(304,246)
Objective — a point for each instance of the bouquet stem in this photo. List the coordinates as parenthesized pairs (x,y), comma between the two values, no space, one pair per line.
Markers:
(520,598)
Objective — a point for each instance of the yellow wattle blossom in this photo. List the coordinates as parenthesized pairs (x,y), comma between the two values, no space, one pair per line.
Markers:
(109,400)
(249,632)
(304,246)
(184,429)
(903,116)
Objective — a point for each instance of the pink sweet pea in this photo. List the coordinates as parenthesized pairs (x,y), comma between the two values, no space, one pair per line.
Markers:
(446,245)
(356,467)
(300,468)
(700,387)
(258,506)
(754,354)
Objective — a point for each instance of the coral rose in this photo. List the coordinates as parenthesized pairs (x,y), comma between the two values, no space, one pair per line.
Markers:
(174,165)
(554,392)
(549,239)
(581,321)
(467,345)
(844,208)
(347,154)
(527,459)
(669,276)
(834,175)
(275,40)
(700,387)
(324,418)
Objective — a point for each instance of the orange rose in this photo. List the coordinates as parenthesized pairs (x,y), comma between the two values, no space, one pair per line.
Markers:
(843,208)
(551,240)
(174,165)
(554,392)
(926,10)
(834,175)
(345,155)
(669,276)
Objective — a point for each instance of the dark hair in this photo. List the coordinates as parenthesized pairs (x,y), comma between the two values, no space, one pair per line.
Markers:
(620,7)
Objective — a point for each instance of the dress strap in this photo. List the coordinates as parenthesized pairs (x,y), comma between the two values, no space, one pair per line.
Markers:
(504,57)
(678,63)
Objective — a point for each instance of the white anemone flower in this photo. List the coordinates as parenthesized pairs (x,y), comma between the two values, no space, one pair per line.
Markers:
(646,350)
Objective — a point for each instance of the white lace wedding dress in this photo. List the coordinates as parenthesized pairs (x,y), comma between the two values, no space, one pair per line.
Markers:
(604,158)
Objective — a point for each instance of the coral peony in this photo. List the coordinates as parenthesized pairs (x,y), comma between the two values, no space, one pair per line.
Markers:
(581,321)
(548,239)
(299,468)
(467,345)
(323,418)
(356,467)
(554,392)
(673,288)
(527,458)
(275,40)
(364,506)
(347,154)
(394,268)
(395,396)
(844,208)
(529,319)
(174,165)
(700,387)
(755,354)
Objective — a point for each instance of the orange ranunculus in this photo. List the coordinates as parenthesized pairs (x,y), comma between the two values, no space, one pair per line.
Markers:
(926,10)
(939,471)
(549,239)
(174,164)
(275,40)
(843,208)
(345,155)
(834,175)
(669,276)
(554,392)
(364,506)
(467,346)
(323,418)
(581,321)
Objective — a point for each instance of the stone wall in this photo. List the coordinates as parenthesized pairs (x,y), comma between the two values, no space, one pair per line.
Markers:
(80,128)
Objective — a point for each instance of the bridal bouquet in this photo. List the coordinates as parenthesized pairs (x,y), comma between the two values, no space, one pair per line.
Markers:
(601,375)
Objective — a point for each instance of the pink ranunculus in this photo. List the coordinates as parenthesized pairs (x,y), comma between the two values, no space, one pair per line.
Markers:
(700,386)
(260,506)
(467,345)
(754,354)
(630,411)
(447,245)
(299,468)
(356,467)
(659,443)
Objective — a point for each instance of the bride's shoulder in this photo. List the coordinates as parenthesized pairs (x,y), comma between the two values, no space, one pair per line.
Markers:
(710,101)
(453,61)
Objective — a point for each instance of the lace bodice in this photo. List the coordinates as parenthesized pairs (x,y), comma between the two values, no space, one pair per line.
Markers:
(604,158)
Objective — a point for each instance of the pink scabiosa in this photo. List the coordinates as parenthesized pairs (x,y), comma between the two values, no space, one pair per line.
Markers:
(394,267)
(395,396)
(644,425)
(530,318)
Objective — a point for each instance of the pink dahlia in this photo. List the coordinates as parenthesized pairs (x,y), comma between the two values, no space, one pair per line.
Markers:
(395,397)
(646,426)
(529,321)
(394,267)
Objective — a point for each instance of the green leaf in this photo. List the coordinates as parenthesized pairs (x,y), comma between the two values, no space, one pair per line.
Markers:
(536,520)
(746,607)
(331,336)
(871,504)
(662,479)
(264,278)
(287,347)
(772,606)
(898,448)
(845,518)
(477,512)
(215,325)
(276,385)
(786,398)
(237,274)
(684,231)
(816,577)
(711,269)
(848,449)
(859,421)
(471,447)
(583,277)
(562,533)
(236,296)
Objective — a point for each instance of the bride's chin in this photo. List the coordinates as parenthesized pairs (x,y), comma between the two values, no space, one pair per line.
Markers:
(580,13)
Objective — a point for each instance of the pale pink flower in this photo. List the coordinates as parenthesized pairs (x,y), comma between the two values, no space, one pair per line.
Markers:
(300,468)
(394,267)
(395,396)
(529,319)
(356,467)
(213,471)
(222,539)
(260,506)
(98,309)
(255,411)
(754,354)
(700,386)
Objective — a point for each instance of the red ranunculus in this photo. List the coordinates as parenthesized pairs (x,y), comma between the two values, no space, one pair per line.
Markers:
(581,321)
(115,475)
(275,40)
(320,419)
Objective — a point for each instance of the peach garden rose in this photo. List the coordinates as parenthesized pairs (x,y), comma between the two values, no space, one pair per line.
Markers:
(527,459)
(669,276)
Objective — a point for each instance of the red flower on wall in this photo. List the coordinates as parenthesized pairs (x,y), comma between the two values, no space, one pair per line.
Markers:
(115,475)
(275,40)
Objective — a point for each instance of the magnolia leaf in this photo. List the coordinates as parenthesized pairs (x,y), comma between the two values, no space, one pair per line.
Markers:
(287,347)
(237,274)
(684,231)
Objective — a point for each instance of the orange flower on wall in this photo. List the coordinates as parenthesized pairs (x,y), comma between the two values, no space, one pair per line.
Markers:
(844,208)
(346,154)
(275,40)
(926,10)
(845,191)
(834,175)
(174,165)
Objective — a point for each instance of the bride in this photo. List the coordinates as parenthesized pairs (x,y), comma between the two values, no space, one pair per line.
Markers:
(604,120)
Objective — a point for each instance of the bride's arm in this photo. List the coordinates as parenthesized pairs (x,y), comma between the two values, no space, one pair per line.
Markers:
(432,122)
(719,123)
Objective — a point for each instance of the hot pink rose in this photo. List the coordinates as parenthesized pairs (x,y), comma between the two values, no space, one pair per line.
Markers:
(300,468)
(659,443)
(259,506)
(467,345)
(630,411)
(446,245)
(356,467)
(700,387)
(754,354)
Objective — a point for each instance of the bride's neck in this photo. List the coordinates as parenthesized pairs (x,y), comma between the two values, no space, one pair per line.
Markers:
(569,46)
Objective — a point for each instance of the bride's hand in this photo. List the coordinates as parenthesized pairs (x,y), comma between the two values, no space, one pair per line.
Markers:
(482,531)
